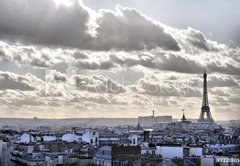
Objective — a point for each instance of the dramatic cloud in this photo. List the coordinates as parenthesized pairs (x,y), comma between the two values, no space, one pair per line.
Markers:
(197,39)
(127,29)
(25,55)
(41,21)
(13,81)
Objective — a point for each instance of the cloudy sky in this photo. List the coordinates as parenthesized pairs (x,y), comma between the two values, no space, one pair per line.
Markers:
(118,58)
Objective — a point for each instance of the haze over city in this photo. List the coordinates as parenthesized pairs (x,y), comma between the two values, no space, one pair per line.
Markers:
(118,59)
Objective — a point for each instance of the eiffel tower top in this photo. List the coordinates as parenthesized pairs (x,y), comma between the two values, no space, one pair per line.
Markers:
(205,93)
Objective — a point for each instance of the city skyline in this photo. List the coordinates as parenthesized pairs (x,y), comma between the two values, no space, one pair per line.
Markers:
(86,59)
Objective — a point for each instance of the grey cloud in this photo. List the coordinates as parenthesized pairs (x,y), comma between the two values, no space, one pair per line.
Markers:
(94,65)
(223,62)
(124,29)
(107,99)
(182,64)
(98,84)
(68,86)
(25,55)
(226,101)
(128,29)
(179,62)
(185,85)
(54,104)
(131,61)
(160,61)
(235,100)
(227,69)
(160,85)
(2,54)
(13,81)
(80,55)
(219,92)
(27,101)
(53,76)
(42,22)
(196,38)
(216,81)
(97,99)
(220,101)
(222,81)
(34,58)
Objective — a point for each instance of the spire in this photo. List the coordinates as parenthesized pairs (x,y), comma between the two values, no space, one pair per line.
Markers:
(205,94)
(138,128)
(183,117)
(138,125)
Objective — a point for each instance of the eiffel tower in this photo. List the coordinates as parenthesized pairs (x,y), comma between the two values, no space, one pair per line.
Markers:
(205,105)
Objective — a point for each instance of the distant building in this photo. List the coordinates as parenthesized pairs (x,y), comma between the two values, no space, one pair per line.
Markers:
(150,120)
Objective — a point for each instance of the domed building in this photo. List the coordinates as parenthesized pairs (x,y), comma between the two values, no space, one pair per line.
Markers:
(26,138)
(70,138)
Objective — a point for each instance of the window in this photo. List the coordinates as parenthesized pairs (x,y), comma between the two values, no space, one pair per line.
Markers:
(134,141)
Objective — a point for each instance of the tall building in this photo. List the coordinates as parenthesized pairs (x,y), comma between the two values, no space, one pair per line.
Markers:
(205,110)
(148,121)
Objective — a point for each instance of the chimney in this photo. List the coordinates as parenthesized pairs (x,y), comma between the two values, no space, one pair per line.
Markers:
(153,113)
(146,135)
